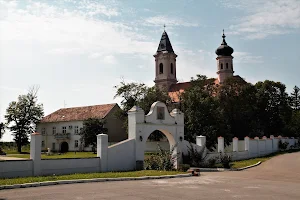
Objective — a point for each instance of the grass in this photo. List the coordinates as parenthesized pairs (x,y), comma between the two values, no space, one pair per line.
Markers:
(57,156)
(26,155)
(245,163)
(12,181)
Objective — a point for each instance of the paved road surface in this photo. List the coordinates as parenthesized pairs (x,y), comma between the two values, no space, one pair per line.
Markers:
(278,178)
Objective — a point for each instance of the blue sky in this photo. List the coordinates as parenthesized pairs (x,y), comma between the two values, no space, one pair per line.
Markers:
(76,51)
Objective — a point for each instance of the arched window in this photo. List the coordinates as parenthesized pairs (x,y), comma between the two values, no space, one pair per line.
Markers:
(161,68)
(226,65)
(221,65)
(172,70)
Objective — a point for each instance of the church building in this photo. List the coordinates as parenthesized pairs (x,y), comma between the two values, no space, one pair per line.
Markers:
(165,67)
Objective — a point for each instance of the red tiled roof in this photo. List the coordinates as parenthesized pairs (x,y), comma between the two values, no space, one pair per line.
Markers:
(79,113)
(177,89)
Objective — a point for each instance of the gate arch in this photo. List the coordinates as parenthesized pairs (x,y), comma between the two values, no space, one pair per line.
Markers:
(140,126)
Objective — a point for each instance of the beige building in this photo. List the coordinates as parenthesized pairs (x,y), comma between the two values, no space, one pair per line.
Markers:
(60,129)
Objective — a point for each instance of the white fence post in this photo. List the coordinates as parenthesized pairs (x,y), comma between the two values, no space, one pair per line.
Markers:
(35,152)
(272,138)
(265,139)
(220,144)
(247,141)
(102,151)
(258,150)
(201,141)
(235,143)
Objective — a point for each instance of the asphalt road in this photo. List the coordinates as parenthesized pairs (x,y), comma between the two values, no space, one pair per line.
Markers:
(278,178)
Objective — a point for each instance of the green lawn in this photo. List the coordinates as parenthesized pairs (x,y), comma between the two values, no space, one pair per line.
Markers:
(12,181)
(55,155)
(245,163)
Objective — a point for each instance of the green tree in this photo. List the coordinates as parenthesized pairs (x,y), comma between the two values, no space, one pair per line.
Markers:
(23,115)
(2,129)
(294,125)
(274,112)
(295,98)
(238,105)
(91,128)
(202,112)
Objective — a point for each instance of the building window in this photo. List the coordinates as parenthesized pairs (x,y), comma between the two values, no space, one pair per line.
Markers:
(43,131)
(221,65)
(53,130)
(76,129)
(43,143)
(64,129)
(161,68)
(172,70)
(53,146)
(76,143)
(226,65)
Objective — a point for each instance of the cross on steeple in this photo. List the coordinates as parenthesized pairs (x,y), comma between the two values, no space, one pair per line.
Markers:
(164,27)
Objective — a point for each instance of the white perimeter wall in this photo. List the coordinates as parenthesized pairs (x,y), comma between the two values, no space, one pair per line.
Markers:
(257,148)
(16,168)
(121,156)
(70,166)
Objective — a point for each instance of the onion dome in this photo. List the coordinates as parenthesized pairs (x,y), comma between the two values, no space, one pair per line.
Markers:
(224,49)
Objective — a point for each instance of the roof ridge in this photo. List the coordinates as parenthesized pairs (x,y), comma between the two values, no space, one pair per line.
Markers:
(89,106)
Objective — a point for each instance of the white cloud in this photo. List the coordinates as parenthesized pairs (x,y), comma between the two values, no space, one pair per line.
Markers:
(169,21)
(62,31)
(265,18)
(245,57)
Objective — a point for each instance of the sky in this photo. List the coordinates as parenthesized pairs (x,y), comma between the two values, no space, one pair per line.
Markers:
(76,51)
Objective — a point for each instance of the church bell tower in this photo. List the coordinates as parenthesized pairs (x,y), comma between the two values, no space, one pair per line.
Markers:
(165,64)
(224,61)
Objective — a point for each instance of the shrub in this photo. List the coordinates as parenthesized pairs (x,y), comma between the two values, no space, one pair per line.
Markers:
(225,160)
(195,158)
(211,162)
(163,160)
(184,167)
(282,145)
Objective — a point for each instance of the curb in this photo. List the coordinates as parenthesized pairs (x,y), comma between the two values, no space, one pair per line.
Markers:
(48,183)
(250,166)
(224,169)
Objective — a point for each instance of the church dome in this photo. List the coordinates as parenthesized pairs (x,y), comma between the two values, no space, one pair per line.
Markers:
(224,49)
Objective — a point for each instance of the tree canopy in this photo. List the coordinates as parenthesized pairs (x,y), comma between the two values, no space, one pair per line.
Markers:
(91,128)
(2,129)
(233,109)
(23,115)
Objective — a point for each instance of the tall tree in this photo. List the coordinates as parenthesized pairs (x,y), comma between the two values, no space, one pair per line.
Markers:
(295,98)
(202,112)
(2,129)
(91,128)
(273,108)
(23,115)
(294,125)
(238,104)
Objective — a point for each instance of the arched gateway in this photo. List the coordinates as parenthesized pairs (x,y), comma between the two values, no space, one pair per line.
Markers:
(140,126)
(129,154)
